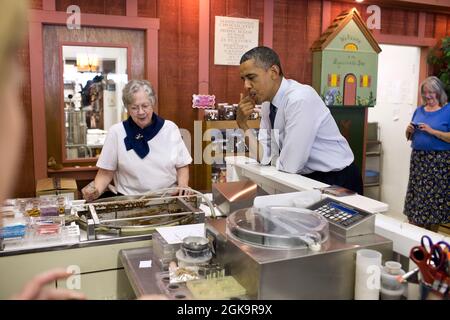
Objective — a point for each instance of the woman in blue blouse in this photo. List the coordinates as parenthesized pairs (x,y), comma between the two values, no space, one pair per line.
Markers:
(427,201)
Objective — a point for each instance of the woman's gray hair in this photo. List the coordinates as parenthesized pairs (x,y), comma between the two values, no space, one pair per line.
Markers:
(434,84)
(134,86)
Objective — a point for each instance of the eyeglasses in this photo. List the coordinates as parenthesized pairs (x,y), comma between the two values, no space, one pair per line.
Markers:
(135,108)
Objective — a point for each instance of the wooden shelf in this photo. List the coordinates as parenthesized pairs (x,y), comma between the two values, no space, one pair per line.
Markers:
(75,172)
(373,153)
(229,124)
(203,171)
(375,184)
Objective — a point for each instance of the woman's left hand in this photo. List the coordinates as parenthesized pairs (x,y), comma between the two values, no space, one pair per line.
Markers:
(184,192)
(425,127)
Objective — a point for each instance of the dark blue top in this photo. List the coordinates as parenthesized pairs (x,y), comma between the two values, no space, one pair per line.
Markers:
(437,120)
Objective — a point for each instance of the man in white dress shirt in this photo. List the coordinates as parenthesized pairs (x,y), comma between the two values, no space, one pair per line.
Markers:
(297,132)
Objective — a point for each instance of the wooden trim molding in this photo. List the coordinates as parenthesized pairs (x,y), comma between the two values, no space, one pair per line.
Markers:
(132,8)
(403,40)
(38,18)
(49,5)
(65,160)
(203,47)
(95,20)
(268,23)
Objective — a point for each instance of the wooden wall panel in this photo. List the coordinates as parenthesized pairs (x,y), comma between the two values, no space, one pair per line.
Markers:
(115,7)
(399,22)
(448,25)
(178,60)
(148,8)
(429,25)
(225,81)
(411,23)
(296,26)
(440,30)
(337,7)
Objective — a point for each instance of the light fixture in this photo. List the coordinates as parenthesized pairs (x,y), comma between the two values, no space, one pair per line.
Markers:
(359,1)
(87,62)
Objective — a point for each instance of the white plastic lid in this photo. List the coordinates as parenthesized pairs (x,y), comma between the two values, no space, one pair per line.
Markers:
(278,227)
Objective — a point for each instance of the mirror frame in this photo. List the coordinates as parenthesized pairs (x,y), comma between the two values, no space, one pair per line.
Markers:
(36,21)
(65,160)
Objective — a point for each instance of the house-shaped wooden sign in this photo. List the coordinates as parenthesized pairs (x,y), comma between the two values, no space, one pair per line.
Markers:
(345,62)
(345,65)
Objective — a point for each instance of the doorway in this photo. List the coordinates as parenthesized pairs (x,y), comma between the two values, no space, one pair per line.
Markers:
(397,92)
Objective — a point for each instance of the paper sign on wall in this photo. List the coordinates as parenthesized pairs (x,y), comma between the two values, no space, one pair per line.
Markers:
(233,37)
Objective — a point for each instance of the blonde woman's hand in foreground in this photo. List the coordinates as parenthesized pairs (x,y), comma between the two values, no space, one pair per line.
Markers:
(37,289)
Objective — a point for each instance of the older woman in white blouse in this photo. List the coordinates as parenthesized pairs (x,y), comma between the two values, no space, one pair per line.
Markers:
(143,153)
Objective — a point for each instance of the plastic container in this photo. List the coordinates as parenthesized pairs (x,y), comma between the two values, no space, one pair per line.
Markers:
(391,289)
(194,252)
(48,208)
(13,228)
(33,208)
(211,115)
(367,276)
(279,227)
(50,225)
(216,288)
(163,252)
(372,176)
(229,112)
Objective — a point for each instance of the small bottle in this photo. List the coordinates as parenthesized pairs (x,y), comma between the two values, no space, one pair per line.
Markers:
(61,202)
(22,205)
(391,289)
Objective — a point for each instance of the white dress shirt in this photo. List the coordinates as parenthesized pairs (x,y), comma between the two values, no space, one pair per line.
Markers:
(133,175)
(304,131)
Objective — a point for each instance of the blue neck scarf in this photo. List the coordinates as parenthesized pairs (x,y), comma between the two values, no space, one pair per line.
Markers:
(137,138)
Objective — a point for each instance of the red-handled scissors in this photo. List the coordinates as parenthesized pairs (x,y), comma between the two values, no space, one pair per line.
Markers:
(436,255)
(430,262)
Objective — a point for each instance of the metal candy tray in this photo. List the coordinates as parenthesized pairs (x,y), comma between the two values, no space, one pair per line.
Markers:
(136,215)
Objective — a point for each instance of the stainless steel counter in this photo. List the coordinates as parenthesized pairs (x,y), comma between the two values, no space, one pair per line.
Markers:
(81,244)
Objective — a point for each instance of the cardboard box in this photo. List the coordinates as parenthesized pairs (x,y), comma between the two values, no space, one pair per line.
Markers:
(57,186)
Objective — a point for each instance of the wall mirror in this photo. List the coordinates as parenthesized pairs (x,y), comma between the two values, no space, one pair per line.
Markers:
(93,79)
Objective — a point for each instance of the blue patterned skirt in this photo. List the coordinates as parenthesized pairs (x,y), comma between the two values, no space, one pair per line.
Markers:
(428,195)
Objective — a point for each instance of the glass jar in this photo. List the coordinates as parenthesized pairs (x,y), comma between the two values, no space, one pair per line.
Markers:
(229,113)
(221,109)
(211,115)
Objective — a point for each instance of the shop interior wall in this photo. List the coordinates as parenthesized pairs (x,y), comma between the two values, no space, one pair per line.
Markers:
(296,25)
(398,83)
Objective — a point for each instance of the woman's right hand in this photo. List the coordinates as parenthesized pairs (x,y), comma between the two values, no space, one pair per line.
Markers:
(409,131)
(90,192)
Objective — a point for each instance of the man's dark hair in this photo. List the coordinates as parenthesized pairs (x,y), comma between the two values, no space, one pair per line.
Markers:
(264,57)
